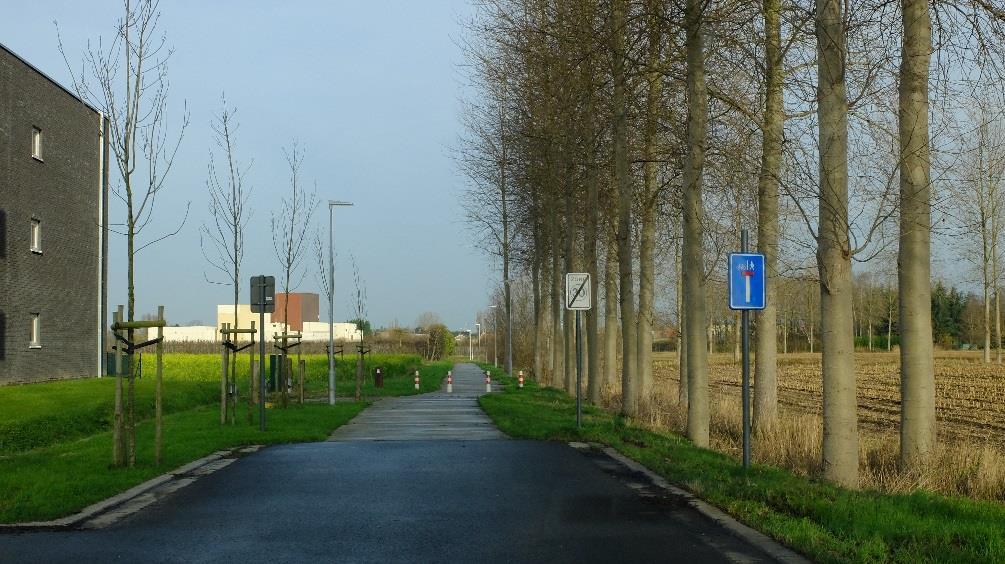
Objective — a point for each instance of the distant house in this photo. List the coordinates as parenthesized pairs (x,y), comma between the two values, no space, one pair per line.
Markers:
(53,245)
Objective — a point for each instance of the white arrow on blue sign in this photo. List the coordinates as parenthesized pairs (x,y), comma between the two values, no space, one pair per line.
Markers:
(746,281)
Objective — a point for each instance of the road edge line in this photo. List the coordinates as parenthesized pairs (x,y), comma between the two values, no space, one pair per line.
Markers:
(106,505)
(756,538)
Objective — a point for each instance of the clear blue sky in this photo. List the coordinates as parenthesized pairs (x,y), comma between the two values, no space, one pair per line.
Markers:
(371,89)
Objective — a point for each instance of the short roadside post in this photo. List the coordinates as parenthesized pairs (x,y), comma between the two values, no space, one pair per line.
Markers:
(578,299)
(263,300)
(746,292)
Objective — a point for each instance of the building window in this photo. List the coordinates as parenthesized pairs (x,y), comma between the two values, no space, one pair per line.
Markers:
(36,236)
(36,332)
(36,143)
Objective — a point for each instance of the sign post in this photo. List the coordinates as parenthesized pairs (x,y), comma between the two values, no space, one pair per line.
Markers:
(263,300)
(746,292)
(578,298)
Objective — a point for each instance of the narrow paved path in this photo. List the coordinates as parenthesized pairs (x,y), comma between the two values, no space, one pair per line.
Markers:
(375,494)
(436,416)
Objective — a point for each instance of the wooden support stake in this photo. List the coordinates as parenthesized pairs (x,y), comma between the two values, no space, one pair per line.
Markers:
(303,368)
(224,358)
(253,379)
(158,399)
(118,444)
(131,403)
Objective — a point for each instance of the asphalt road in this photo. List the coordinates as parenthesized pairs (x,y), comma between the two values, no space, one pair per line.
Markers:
(401,501)
(382,491)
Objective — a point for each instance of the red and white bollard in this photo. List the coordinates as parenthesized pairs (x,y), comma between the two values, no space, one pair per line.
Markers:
(520,380)
(488,381)
(450,382)
(416,379)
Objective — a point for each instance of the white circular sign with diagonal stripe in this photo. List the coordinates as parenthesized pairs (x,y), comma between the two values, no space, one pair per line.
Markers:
(577,291)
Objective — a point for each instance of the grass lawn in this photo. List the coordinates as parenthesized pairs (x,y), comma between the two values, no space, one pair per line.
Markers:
(60,479)
(824,522)
(38,415)
(55,439)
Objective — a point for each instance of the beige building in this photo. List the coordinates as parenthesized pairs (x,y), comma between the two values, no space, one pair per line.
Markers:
(225,314)
(318,331)
(194,333)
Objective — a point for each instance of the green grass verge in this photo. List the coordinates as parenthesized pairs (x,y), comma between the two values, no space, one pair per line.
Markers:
(38,415)
(827,523)
(55,444)
(58,480)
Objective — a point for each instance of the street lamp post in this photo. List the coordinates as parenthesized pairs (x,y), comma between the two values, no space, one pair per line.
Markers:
(331,299)
(470,354)
(479,327)
(495,335)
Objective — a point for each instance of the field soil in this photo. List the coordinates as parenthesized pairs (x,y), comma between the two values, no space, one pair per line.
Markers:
(970,395)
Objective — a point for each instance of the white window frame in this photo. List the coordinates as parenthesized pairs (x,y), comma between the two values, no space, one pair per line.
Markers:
(35,236)
(36,143)
(36,332)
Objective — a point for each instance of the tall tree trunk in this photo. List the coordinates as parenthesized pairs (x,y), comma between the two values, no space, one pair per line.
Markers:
(611,316)
(840,444)
(694,259)
(998,324)
(986,287)
(681,332)
(736,336)
(785,333)
(538,310)
(507,283)
(917,423)
(889,331)
(557,336)
(647,233)
(626,197)
(766,361)
(569,324)
(593,376)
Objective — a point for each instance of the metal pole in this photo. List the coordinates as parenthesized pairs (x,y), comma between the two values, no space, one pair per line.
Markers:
(261,368)
(470,354)
(331,310)
(745,321)
(579,373)
(495,337)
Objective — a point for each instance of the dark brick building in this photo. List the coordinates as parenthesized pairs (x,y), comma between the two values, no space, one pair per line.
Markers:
(53,248)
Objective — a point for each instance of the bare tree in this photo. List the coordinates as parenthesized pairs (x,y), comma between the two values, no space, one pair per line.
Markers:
(698,414)
(321,274)
(127,81)
(840,446)
(979,200)
(359,309)
(289,240)
(291,225)
(222,238)
(626,197)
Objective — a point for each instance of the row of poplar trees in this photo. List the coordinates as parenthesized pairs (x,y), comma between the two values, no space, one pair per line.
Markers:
(600,133)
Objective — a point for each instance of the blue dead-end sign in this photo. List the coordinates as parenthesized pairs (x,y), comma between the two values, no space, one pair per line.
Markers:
(746,281)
